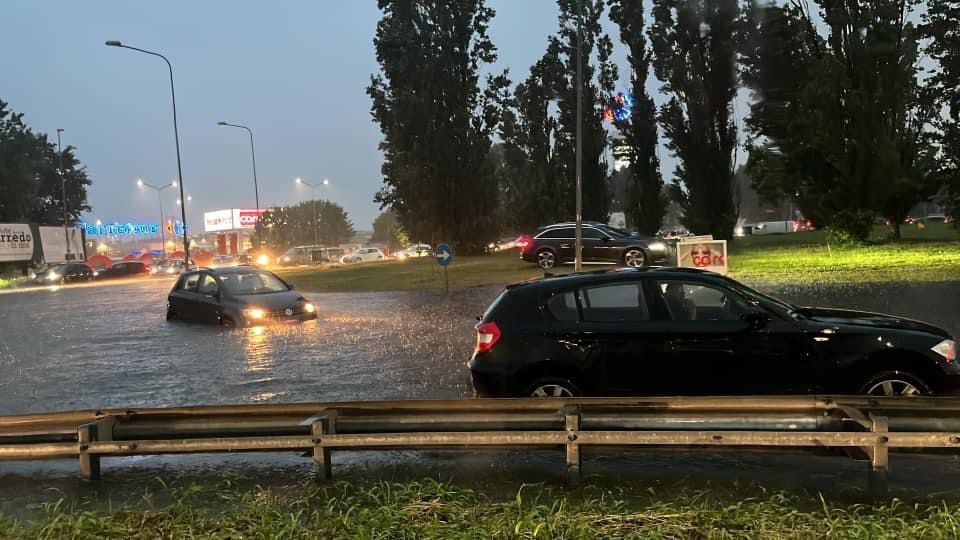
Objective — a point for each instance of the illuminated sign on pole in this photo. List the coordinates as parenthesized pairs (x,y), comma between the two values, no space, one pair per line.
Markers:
(126,229)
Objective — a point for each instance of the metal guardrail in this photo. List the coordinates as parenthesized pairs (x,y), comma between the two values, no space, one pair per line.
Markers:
(868,425)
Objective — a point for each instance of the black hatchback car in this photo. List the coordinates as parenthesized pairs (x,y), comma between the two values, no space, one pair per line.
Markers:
(236,296)
(554,244)
(673,331)
(127,269)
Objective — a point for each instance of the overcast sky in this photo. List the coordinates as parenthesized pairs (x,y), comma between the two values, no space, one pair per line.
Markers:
(294,71)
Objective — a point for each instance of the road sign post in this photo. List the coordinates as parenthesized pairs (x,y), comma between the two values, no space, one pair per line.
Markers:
(444,256)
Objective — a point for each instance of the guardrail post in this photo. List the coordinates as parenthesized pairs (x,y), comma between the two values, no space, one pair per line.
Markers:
(321,454)
(572,423)
(101,430)
(879,456)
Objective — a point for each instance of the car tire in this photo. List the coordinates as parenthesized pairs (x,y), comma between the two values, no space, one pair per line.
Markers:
(171,315)
(228,322)
(552,387)
(546,259)
(634,258)
(895,383)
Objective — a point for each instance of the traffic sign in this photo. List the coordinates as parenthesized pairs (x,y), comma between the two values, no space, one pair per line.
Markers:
(443,254)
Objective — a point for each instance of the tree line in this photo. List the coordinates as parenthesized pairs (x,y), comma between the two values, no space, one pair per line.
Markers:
(853,113)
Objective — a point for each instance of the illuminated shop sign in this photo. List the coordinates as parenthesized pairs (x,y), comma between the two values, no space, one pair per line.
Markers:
(128,229)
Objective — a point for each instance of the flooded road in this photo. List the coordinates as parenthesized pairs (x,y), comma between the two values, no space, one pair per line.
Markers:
(109,346)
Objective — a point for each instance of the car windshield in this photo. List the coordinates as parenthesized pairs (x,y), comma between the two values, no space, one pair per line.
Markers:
(59,269)
(614,232)
(252,282)
(764,300)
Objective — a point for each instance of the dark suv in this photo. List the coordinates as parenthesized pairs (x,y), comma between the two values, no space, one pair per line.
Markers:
(673,331)
(554,244)
(236,296)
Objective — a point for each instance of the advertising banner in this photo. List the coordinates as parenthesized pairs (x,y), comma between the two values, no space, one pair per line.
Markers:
(705,254)
(16,242)
(246,218)
(218,220)
(55,245)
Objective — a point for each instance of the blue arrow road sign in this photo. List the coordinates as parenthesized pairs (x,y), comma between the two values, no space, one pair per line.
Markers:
(444,254)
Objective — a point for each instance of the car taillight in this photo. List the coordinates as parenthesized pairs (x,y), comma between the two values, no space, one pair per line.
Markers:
(488,334)
(524,243)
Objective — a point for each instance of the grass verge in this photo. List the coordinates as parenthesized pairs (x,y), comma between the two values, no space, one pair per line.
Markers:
(431,509)
(932,254)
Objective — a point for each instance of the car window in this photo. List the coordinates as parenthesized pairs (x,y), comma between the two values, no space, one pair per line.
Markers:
(593,234)
(620,302)
(189,282)
(566,232)
(563,306)
(684,300)
(254,282)
(208,285)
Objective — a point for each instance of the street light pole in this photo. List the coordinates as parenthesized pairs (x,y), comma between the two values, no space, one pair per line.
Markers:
(316,221)
(176,138)
(63,185)
(256,190)
(578,259)
(163,240)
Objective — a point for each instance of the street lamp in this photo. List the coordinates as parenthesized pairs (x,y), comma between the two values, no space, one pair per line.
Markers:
(63,185)
(176,138)
(316,221)
(180,201)
(158,189)
(256,191)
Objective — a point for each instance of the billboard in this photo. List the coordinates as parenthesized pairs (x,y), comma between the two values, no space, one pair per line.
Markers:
(703,253)
(218,220)
(16,242)
(246,218)
(55,245)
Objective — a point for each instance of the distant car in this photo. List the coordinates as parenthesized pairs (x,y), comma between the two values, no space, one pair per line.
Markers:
(126,269)
(65,273)
(554,244)
(304,255)
(680,331)
(172,267)
(224,260)
(502,245)
(236,296)
(363,255)
(415,251)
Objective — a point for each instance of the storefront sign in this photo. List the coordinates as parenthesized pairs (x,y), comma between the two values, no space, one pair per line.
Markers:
(16,242)
(703,253)
(120,229)
(246,218)
(218,220)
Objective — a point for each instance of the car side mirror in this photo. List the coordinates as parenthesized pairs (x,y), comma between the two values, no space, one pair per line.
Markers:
(756,320)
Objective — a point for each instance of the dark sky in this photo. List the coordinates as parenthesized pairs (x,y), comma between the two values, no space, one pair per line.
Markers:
(294,71)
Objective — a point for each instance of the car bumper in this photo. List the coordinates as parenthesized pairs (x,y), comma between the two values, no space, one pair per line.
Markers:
(279,319)
(489,381)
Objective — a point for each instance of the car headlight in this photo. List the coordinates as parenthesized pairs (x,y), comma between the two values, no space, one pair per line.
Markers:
(53,276)
(309,308)
(286,259)
(254,313)
(33,275)
(947,349)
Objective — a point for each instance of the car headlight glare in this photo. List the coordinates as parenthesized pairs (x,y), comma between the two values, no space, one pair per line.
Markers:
(254,313)
(53,276)
(263,260)
(947,349)
(309,308)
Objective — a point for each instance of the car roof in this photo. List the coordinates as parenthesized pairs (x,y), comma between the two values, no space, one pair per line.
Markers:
(240,269)
(575,279)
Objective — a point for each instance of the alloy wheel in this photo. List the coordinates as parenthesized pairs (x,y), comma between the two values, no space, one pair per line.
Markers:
(546,259)
(893,387)
(634,258)
(551,390)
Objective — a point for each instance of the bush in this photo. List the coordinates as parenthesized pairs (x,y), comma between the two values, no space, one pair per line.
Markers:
(850,227)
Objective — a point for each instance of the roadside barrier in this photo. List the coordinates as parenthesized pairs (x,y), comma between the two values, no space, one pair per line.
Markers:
(868,427)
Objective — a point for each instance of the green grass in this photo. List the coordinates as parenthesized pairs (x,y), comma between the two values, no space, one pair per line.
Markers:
(431,509)
(932,254)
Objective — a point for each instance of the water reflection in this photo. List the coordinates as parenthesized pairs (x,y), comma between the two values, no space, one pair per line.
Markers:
(258,349)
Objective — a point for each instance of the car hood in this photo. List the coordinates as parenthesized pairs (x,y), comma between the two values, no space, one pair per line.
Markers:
(870,320)
(270,301)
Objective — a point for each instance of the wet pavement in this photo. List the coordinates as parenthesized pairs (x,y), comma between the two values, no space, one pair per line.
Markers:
(107,345)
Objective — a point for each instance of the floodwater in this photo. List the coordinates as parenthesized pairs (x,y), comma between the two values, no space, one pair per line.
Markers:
(108,345)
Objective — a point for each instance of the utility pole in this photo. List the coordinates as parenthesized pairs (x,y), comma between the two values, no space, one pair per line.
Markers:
(578,259)
(63,185)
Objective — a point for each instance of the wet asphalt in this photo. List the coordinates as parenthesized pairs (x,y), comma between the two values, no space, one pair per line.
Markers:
(109,346)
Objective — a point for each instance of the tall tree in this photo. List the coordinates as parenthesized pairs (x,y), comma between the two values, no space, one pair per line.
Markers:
(695,45)
(387,230)
(844,120)
(30,187)
(286,226)
(940,26)
(599,77)
(436,119)
(644,202)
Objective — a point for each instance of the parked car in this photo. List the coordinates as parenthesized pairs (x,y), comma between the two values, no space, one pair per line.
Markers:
(126,269)
(236,296)
(673,331)
(554,244)
(415,251)
(221,261)
(304,255)
(59,274)
(172,266)
(363,255)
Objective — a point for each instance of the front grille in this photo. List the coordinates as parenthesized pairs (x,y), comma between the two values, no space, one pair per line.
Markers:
(280,313)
